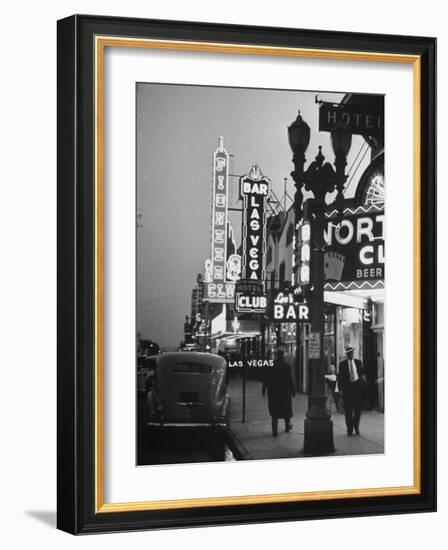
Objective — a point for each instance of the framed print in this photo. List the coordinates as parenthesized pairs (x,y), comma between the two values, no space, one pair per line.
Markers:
(246,274)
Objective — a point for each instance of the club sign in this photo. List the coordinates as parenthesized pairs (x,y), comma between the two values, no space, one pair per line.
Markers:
(250,297)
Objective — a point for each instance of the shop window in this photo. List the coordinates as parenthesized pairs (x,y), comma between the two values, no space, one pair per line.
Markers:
(349,332)
(378,314)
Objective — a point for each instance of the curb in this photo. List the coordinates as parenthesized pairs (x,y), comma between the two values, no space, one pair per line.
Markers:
(236,446)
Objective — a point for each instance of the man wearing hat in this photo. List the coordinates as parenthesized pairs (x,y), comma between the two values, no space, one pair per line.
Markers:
(350,379)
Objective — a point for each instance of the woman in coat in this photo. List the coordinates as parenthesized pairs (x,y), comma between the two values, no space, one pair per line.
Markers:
(279,385)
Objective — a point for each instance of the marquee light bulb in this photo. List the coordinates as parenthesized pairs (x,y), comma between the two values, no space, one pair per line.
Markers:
(305,274)
(305,253)
(306,232)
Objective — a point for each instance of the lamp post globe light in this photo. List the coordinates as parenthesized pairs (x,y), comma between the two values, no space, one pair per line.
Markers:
(320,178)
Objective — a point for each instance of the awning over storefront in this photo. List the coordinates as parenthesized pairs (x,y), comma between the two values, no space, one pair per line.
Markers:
(234,335)
(229,340)
(357,299)
(345,299)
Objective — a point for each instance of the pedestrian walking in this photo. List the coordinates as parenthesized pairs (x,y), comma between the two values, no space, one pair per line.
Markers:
(352,381)
(278,383)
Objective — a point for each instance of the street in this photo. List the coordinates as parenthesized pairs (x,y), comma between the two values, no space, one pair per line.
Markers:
(251,439)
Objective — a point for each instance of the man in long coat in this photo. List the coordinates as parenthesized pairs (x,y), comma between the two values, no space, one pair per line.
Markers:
(351,379)
(279,385)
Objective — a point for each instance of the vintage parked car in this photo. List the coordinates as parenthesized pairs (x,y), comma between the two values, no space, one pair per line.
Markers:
(189,389)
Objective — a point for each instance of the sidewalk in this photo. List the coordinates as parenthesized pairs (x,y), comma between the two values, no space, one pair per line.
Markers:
(254,437)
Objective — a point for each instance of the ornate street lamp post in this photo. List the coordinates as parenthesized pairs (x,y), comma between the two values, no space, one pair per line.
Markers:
(320,178)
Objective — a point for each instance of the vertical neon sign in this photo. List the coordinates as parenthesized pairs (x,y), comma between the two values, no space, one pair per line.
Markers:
(218,288)
(219,223)
(255,192)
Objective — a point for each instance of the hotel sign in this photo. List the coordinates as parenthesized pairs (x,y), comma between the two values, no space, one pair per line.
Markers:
(357,118)
(249,287)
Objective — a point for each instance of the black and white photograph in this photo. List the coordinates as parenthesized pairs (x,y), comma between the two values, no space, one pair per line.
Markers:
(260,267)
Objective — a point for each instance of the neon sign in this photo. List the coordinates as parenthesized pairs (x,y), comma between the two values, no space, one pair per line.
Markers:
(283,308)
(224,266)
(355,247)
(219,222)
(254,191)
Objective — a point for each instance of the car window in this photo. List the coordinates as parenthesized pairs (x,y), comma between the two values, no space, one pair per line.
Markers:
(195,368)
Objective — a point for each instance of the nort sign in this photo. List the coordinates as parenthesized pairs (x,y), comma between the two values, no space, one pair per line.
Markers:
(355,247)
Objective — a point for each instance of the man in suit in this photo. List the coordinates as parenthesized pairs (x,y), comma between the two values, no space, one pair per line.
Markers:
(351,378)
(278,382)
